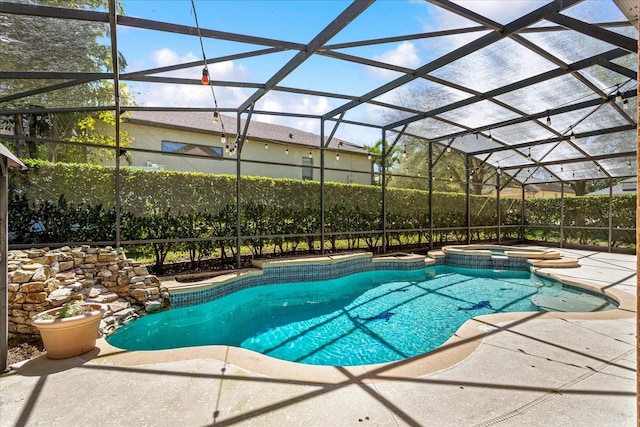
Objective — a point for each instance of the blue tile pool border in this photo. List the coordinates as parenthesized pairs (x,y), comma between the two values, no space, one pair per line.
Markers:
(491,262)
(295,272)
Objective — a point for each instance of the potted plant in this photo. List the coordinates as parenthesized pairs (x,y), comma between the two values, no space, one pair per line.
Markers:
(69,330)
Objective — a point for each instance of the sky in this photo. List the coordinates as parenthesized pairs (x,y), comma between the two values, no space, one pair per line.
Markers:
(299,21)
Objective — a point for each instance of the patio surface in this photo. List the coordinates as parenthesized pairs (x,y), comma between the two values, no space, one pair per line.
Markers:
(542,370)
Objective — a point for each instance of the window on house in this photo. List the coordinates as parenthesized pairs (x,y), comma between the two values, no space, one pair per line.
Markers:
(191,149)
(307,168)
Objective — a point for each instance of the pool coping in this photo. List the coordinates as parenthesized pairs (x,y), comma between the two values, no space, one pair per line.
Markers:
(485,250)
(176,287)
(460,346)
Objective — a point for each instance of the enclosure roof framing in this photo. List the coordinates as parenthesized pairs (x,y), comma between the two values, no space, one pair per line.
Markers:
(554,84)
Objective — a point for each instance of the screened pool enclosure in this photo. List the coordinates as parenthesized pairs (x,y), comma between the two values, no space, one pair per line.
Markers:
(482,122)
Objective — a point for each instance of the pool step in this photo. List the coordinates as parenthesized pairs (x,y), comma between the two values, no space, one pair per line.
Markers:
(569,301)
(562,262)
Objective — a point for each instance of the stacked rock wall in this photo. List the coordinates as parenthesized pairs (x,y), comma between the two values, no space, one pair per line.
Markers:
(40,279)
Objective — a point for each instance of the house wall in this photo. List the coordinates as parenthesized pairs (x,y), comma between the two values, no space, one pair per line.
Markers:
(354,168)
(516,193)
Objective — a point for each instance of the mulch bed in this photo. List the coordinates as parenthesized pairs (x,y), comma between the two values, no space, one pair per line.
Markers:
(24,347)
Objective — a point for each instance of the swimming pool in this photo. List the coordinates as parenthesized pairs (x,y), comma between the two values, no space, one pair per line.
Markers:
(359,319)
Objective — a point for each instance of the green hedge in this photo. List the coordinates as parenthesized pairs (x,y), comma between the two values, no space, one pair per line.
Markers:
(57,202)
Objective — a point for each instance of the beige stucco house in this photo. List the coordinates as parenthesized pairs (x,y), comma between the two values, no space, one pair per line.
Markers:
(532,191)
(191,141)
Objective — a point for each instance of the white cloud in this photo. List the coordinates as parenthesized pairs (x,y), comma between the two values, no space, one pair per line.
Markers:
(501,11)
(282,102)
(162,94)
(404,55)
(166,56)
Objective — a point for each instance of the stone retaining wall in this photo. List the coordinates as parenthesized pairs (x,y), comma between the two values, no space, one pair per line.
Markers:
(40,279)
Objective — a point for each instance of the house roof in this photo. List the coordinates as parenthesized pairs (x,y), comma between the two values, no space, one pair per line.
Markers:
(203,122)
(550,187)
(627,186)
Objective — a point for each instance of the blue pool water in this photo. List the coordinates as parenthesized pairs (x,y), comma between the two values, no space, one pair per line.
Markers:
(365,318)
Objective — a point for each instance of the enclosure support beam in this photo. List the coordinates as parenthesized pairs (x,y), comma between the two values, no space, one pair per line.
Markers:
(113,25)
(561,214)
(322,189)
(383,181)
(468,198)
(4,250)
(430,195)
(522,215)
(238,200)
(610,239)
(7,160)
(498,213)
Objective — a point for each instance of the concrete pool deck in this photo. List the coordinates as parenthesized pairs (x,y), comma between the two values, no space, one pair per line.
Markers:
(535,370)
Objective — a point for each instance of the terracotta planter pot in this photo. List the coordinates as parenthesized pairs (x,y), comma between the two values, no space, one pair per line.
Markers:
(71,336)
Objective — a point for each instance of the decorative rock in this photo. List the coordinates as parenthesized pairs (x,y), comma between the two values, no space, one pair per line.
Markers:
(44,278)
(33,266)
(96,290)
(139,294)
(41,274)
(66,265)
(17,297)
(33,253)
(19,313)
(52,284)
(75,287)
(118,305)
(122,291)
(66,275)
(35,297)
(106,257)
(54,268)
(32,287)
(59,296)
(138,285)
(20,276)
(141,271)
(151,306)
(53,257)
(104,298)
(41,260)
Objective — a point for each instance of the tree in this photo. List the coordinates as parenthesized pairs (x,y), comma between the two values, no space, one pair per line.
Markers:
(392,160)
(69,46)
